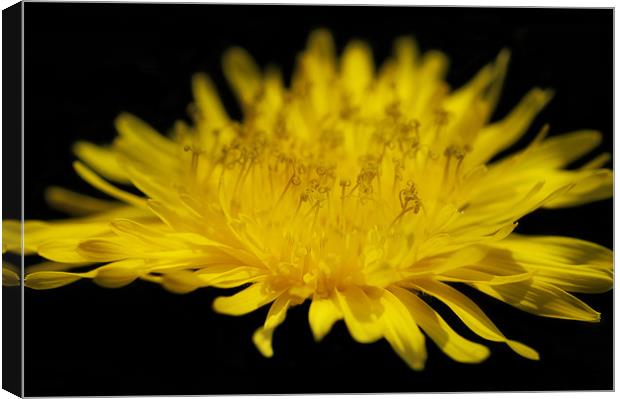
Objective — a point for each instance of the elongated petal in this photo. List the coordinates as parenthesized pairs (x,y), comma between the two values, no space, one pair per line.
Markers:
(152,234)
(208,101)
(243,75)
(263,336)
(103,250)
(596,186)
(357,68)
(474,102)
(361,314)
(62,250)
(118,274)
(402,332)
(232,277)
(52,266)
(321,44)
(12,237)
(37,232)
(470,275)
(568,263)
(10,275)
(75,203)
(542,299)
(559,151)
(102,160)
(93,179)
(143,136)
(472,316)
(443,263)
(501,135)
(151,183)
(48,280)
(245,301)
(451,343)
(323,313)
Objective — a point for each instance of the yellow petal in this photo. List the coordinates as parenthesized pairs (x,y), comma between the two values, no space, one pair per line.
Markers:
(357,68)
(502,134)
(598,162)
(76,204)
(118,274)
(38,232)
(142,136)
(150,183)
(596,186)
(451,343)
(62,250)
(472,316)
(559,151)
(470,275)
(445,262)
(103,250)
(230,277)
(181,281)
(406,56)
(242,73)
(101,159)
(481,94)
(51,279)
(10,275)
(321,44)
(568,263)
(361,314)
(429,82)
(52,266)
(151,234)
(245,301)
(208,101)
(322,315)
(402,332)
(263,336)
(12,237)
(542,299)
(91,178)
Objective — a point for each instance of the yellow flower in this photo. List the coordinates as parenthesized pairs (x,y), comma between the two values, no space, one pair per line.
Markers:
(354,189)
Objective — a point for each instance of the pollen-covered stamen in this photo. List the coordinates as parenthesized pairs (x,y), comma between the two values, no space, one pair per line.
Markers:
(196,153)
(409,136)
(366,177)
(398,173)
(452,169)
(442,118)
(343,183)
(409,201)
(392,110)
(293,180)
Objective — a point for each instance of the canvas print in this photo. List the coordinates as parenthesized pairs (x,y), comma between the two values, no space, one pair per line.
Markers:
(235,199)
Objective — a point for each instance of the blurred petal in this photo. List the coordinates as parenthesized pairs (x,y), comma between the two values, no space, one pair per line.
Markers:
(323,313)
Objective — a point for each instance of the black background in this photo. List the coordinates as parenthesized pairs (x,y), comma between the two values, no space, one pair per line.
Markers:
(87,63)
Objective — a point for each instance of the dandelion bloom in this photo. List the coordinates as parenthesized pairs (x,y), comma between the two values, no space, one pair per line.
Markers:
(354,189)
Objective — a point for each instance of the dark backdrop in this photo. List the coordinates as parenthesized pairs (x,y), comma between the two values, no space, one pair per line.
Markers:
(87,63)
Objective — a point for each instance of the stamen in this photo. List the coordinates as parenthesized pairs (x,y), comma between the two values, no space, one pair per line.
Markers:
(392,110)
(408,195)
(343,185)
(196,153)
(458,153)
(294,180)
